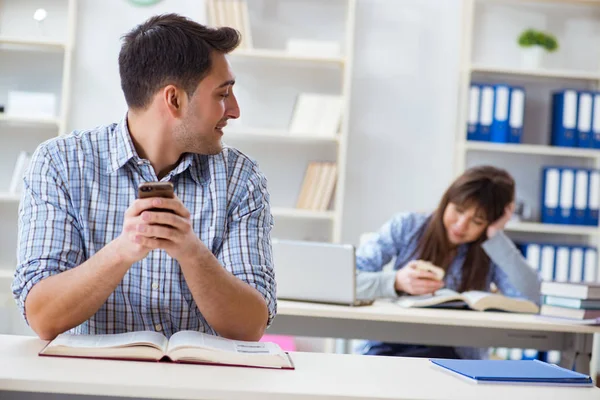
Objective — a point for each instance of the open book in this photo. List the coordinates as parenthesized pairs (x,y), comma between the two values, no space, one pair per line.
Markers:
(183,347)
(473,299)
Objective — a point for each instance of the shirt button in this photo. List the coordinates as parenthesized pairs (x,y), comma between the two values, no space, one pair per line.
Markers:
(140,162)
(158,327)
(154,285)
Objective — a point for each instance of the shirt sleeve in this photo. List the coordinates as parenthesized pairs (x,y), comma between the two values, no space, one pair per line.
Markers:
(247,251)
(378,250)
(49,238)
(511,273)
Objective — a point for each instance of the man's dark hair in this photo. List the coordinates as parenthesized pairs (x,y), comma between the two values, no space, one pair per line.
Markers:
(169,49)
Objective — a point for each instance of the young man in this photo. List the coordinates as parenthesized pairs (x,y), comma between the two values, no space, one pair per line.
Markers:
(94,259)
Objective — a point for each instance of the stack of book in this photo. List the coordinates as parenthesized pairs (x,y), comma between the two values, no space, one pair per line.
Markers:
(577,302)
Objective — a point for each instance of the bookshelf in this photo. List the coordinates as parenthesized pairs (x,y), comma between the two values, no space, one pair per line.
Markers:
(36,57)
(269,81)
(490,54)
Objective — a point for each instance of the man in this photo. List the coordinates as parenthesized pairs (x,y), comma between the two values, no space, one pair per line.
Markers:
(93,259)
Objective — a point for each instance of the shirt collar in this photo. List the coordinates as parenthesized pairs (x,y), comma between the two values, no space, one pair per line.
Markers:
(121,147)
(122,150)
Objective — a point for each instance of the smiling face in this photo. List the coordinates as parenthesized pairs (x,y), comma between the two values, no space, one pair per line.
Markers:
(208,109)
(463,224)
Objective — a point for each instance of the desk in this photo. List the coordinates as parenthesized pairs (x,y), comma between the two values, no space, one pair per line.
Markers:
(387,322)
(318,376)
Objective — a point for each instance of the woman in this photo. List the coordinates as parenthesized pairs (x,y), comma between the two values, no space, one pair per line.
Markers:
(464,237)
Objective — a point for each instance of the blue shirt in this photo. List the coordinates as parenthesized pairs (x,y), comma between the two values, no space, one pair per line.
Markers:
(399,239)
(76,192)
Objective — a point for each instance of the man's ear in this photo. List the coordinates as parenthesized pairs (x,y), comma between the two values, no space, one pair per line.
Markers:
(175,100)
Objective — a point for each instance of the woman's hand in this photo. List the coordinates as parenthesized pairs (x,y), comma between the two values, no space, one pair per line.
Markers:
(413,281)
(501,222)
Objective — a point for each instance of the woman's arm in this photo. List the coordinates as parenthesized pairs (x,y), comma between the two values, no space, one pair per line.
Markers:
(513,272)
(380,249)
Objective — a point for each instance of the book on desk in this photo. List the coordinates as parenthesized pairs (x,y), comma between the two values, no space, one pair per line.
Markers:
(474,299)
(189,347)
(529,372)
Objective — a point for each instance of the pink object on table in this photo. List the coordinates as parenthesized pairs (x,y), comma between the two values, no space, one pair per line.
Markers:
(286,343)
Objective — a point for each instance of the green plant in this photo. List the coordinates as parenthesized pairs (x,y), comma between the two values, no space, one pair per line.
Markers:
(531,37)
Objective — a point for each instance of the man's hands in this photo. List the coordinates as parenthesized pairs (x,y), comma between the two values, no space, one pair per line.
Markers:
(413,281)
(145,230)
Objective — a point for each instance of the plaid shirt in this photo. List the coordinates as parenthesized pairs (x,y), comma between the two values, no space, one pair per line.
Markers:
(76,192)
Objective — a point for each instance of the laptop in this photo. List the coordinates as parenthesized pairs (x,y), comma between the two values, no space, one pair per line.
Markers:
(316,272)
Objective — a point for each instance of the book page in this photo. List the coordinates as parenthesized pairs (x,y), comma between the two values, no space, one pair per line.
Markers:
(199,339)
(197,347)
(427,300)
(481,301)
(145,345)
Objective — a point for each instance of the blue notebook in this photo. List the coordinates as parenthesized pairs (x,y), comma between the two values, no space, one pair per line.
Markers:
(514,372)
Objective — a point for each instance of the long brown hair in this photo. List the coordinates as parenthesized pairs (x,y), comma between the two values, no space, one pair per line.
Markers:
(489,189)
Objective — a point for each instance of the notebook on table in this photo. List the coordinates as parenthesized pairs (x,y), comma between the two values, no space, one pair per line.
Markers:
(528,372)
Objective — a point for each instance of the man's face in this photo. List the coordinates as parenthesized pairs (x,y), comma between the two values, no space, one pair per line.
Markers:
(208,110)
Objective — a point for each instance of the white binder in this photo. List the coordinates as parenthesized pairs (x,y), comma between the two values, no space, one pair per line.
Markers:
(576,270)
(561,273)
(547,263)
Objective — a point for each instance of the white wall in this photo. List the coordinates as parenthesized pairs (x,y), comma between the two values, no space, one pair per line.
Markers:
(403,111)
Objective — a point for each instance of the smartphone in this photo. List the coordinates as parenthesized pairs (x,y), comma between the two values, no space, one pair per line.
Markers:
(156,189)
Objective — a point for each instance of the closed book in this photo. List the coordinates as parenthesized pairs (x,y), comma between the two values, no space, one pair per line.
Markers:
(564,118)
(550,194)
(473,117)
(584,119)
(517,114)
(593,202)
(513,371)
(486,113)
(572,290)
(499,130)
(572,313)
(568,302)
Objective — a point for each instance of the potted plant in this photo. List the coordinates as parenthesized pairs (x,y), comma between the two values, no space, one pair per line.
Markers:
(534,44)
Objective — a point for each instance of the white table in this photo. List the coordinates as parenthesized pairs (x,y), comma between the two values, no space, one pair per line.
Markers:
(317,376)
(387,322)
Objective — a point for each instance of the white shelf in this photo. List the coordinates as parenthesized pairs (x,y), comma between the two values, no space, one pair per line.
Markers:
(541,73)
(517,148)
(284,56)
(301,214)
(536,227)
(53,45)
(9,198)
(6,274)
(29,121)
(566,2)
(270,135)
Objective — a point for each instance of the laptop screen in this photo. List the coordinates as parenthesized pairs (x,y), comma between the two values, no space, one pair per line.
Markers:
(314,271)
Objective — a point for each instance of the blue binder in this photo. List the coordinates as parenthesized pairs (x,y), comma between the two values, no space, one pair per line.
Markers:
(594,198)
(486,112)
(473,117)
(564,118)
(596,121)
(585,106)
(548,262)
(580,198)
(517,114)
(499,130)
(550,194)
(567,193)
(514,371)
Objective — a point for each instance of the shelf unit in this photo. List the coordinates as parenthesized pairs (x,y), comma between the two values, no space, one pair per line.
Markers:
(485,25)
(255,140)
(34,62)
(471,69)
(284,56)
